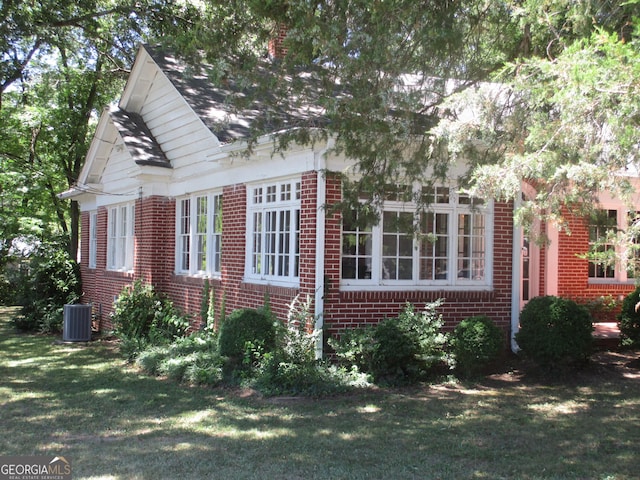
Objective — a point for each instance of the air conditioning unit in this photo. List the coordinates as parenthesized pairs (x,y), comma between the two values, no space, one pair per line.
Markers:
(76,326)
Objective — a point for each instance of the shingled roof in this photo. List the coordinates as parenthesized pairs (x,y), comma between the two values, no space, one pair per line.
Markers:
(233,112)
(138,139)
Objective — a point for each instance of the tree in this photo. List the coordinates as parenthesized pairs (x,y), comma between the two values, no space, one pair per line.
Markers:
(564,121)
(375,69)
(61,62)
(393,77)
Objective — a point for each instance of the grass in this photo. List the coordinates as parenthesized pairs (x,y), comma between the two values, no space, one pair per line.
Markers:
(83,402)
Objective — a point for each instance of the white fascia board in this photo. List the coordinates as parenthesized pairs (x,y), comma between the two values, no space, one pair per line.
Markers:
(132,96)
(101,143)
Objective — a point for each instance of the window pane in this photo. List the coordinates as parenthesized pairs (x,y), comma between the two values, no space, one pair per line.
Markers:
(216,237)
(202,218)
(397,245)
(603,227)
(276,231)
(434,246)
(471,246)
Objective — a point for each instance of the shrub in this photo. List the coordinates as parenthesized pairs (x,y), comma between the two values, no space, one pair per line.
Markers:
(355,347)
(555,331)
(629,317)
(51,280)
(193,359)
(140,313)
(150,359)
(205,369)
(246,327)
(399,348)
(476,342)
(276,376)
(291,368)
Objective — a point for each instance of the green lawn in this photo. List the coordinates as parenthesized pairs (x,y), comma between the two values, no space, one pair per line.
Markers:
(83,402)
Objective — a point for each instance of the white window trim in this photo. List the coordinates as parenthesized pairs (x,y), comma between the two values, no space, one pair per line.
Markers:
(213,238)
(453,209)
(292,205)
(120,238)
(620,275)
(93,239)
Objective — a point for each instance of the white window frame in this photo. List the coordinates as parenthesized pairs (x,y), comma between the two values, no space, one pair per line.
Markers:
(452,207)
(120,237)
(93,239)
(273,232)
(199,235)
(620,272)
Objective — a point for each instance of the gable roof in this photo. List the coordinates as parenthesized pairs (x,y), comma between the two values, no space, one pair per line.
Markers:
(233,112)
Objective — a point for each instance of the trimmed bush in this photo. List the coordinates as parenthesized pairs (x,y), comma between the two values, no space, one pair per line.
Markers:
(629,317)
(555,331)
(476,342)
(246,328)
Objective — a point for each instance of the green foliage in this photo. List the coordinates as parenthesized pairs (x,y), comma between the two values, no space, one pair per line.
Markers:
(193,359)
(291,368)
(355,347)
(142,317)
(51,281)
(629,317)
(242,327)
(277,375)
(561,123)
(208,307)
(555,331)
(476,342)
(402,348)
(134,310)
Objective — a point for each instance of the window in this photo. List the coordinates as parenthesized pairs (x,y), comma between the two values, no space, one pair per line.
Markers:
(604,224)
(93,239)
(611,260)
(199,232)
(120,238)
(633,252)
(274,232)
(446,245)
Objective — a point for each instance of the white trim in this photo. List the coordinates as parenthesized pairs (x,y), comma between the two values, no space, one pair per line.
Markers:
(120,237)
(212,239)
(268,203)
(320,259)
(516,280)
(453,209)
(93,239)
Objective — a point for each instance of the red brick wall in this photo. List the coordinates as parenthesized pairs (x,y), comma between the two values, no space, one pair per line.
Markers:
(573,272)
(100,287)
(155,258)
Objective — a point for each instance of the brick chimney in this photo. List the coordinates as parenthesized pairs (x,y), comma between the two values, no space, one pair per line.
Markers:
(276,44)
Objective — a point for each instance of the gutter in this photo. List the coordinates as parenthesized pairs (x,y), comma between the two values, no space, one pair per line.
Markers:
(320,257)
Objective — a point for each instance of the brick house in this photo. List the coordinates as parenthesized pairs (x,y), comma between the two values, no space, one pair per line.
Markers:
(166,196)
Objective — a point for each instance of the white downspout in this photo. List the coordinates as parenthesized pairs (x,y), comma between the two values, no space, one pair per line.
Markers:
(320,240)
(515,278)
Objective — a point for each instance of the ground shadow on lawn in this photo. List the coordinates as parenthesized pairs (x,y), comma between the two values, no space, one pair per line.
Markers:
(83,401)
